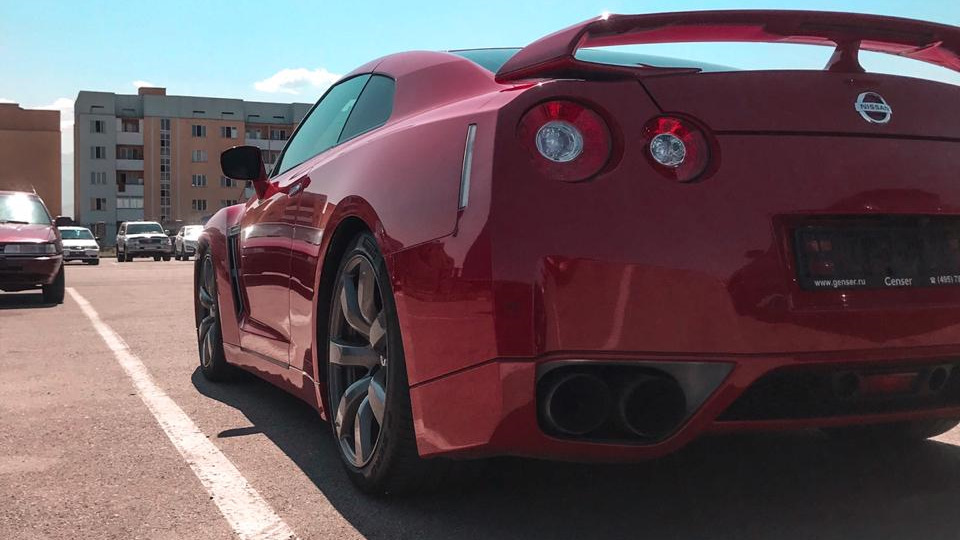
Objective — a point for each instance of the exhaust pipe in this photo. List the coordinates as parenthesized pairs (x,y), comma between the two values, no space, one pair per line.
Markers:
(576,404)
(651,406)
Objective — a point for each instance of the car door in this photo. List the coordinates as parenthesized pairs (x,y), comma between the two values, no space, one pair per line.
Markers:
(267,226)
(372,109)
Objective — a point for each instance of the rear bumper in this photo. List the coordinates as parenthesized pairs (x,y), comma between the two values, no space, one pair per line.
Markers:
(492,409)
(18,273)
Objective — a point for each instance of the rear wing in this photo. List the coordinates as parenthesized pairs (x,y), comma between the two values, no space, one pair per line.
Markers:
(553,56)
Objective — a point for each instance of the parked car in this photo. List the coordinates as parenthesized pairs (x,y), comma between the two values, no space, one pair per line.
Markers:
(79,244)
(143,239)
(31,255)
(566,251)
(185,243)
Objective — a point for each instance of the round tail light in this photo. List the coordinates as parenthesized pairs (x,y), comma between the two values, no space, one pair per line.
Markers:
(677,148)
(566,140)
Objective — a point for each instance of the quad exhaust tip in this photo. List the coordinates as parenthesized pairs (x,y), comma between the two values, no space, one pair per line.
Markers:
(576,404)
(647,406)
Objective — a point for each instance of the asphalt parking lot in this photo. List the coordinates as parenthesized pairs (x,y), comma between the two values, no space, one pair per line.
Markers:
(82,456)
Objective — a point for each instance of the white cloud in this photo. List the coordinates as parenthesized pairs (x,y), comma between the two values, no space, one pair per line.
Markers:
(141,84)
(5,100)
(292,81)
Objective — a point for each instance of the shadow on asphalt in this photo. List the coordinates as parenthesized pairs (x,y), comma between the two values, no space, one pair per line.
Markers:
(23,301)
(782,486)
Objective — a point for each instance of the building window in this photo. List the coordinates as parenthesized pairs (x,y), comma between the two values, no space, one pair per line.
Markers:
(98,126)
(129,152)
(130,125)
(227,202)
(278,134)
(197,130)
(254,133)
(165,124)
(228,132)
(227,182)
(199,156)
(98,152)
(199,205)
(199,180)
(98,203)
(98,178)
(269,156)
(134,203)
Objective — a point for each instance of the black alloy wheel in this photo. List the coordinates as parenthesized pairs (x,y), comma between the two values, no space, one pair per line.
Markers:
(359,360)
(213,363)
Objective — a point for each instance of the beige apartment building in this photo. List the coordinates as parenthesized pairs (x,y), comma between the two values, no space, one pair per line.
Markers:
(30,153)
(157,157)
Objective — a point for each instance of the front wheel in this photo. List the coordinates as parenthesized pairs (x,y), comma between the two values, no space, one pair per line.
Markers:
(367,380)
(213,362)
(54,292)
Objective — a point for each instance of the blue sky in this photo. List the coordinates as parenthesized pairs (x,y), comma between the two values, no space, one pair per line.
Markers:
(290,51)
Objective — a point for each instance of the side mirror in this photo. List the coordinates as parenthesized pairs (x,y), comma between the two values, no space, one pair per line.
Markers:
(246,163)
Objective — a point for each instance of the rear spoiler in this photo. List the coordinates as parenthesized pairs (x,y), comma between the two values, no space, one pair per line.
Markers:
(553,56)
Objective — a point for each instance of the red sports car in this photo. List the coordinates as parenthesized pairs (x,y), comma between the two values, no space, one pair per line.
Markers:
(569,252)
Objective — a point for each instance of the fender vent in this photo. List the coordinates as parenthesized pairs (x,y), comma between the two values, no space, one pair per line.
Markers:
(233,261)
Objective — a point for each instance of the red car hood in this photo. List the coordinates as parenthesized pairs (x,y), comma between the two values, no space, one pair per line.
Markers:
(16,232)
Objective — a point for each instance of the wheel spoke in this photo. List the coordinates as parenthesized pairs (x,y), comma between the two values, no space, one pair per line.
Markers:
(350,402)
(343,354)
(349,304)
(205,326)
(378,334)
(367,292)
(377,395)
(363,435)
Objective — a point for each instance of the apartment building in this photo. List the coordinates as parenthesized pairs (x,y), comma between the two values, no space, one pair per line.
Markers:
(30,153)
(157,157)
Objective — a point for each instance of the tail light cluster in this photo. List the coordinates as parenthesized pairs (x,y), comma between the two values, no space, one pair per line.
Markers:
(677,148)
(571,142)
(567,140)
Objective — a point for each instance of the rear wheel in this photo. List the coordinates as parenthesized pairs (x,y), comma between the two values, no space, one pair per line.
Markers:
(53,293)
(166,258)
(213,363)
(176,254)
(127,257)
(903,432)
(367,381)
(156,257)
(119,254)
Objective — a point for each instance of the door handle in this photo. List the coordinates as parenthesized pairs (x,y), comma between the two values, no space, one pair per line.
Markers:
(294,188)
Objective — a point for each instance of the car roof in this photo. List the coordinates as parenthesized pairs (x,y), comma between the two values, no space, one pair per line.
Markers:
(72,227)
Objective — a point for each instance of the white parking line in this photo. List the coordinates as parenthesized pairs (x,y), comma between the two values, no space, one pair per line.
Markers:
(247,512)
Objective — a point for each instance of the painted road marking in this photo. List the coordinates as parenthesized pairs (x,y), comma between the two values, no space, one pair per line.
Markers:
(247,512)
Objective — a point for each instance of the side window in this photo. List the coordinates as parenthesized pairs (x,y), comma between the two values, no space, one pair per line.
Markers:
(321,129)
(373,108)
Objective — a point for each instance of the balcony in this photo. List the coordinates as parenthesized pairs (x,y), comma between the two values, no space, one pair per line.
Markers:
(266,144)
(132,138)
(129,164)
(131,190)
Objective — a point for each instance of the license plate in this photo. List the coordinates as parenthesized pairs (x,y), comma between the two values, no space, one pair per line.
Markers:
(891,252)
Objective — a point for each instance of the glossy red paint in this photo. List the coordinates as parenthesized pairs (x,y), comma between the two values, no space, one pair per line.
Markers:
(626,266)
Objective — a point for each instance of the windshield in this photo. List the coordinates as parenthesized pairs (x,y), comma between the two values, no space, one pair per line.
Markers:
(76,234)
(23,208)
(144,228)
(192,231)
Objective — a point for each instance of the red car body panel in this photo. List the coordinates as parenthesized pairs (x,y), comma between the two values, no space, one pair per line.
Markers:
(625,267)
(18,272)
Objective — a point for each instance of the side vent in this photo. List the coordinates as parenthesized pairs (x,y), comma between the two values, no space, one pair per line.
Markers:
(233,260)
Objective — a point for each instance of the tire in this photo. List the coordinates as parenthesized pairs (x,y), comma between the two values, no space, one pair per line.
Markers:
(127,257)
(119,255)
(53,293)
(176,254)
(366,360)
(166,258)
(95,262)
(899,432)
(213,362)
(156,258)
